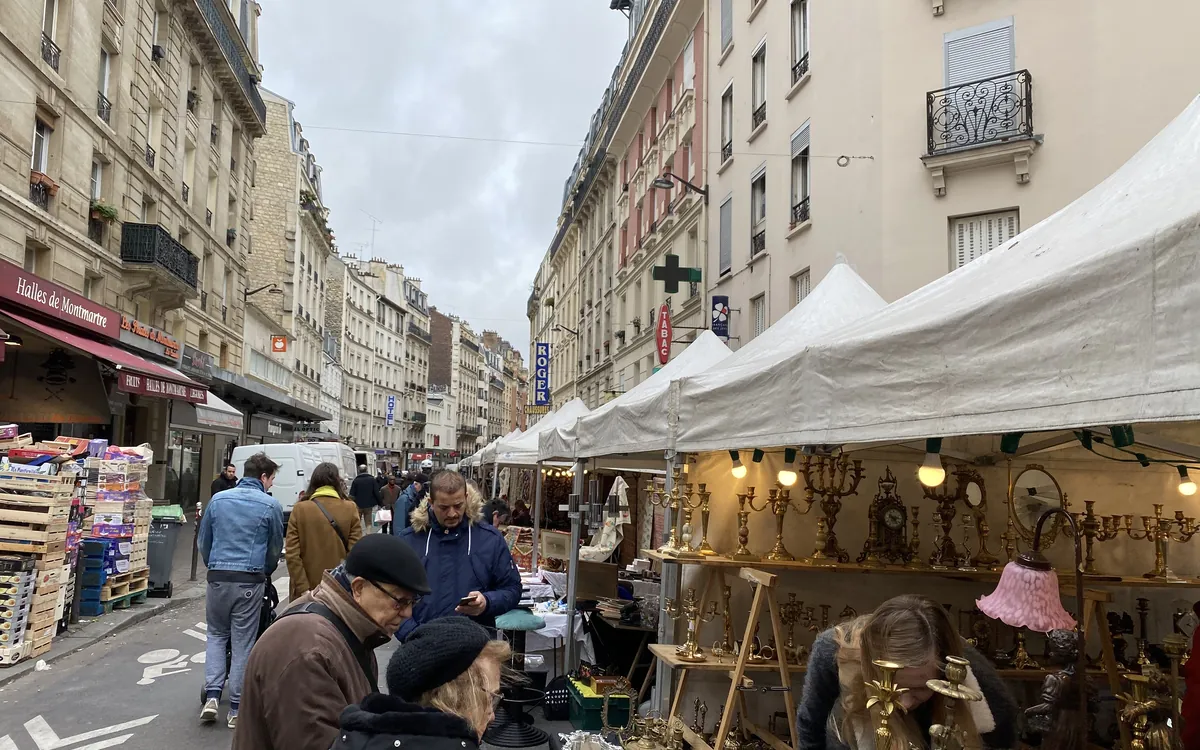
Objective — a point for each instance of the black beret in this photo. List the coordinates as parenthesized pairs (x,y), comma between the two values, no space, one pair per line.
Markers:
(383,558)
(434,654)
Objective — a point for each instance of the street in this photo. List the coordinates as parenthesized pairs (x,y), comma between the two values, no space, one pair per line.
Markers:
(138,690)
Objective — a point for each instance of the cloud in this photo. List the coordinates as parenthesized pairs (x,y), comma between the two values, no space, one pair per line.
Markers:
(471,219)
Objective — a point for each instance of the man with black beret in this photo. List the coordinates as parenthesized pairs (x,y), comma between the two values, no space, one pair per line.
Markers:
(319,657)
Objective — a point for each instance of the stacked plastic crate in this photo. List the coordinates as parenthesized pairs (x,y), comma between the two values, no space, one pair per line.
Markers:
(116,544)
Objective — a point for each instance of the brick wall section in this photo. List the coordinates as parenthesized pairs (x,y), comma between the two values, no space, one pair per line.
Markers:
(440,353)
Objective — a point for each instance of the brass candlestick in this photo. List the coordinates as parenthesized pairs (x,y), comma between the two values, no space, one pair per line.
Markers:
(745,499)
(1021,658)
(1009,537)
(945,554)
(1160,531)
(1143,612)
(692,611)
(724,647)
(1094,529)
(832,478)
(984,558)
(819,559)
(705,548)
(779,500)
(885,699)
(791,613)
(686,507)
(914,544)
(965,560)
(666,501)
(947,736)
(938,559)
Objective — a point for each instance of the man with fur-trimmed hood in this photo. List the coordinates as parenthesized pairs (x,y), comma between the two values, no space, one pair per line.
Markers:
(465,558)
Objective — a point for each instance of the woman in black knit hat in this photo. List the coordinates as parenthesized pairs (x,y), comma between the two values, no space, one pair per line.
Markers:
(443,687)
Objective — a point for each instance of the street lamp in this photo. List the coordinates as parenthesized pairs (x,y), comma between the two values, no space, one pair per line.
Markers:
(561,327)
(271,289)
(667,182)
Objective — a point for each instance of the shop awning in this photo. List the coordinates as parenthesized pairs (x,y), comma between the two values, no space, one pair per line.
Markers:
(215,412)
(135,374)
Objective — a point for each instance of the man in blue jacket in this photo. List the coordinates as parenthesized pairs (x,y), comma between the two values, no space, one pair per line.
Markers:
(466,559)
(241,536)
(410,498)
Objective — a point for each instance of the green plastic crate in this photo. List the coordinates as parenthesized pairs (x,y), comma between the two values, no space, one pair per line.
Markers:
(587,710)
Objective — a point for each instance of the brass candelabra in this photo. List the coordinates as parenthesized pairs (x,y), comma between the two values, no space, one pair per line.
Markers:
(1159,531)
(791,614)
(885,699)
(832,478)
(948,736)
(667,501)
(745,499)
(1094,528)
(686,531)
(724,647)
(779,500)
(693,611)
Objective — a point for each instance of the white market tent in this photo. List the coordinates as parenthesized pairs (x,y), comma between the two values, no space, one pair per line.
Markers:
(1091,317)
(522,450)
(487,454)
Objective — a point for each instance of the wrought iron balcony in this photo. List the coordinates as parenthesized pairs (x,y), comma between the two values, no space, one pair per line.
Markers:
(103,107)
(50,51)
(214,135)
(726,151)
(420,333)
(150,156)
(231,48)
(151,245)
(40,195)
(758,242)
(96,231)
(208,217)
(759,116)
(800,68)
(980,113)
(419,417)
(800,212)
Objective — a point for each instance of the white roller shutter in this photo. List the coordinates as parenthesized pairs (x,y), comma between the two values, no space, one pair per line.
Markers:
(800,139)
(725,260)
(980,52)
(973,236)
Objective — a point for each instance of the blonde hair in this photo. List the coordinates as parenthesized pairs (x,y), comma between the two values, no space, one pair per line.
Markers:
(909,630)
(468,696)
(419,518)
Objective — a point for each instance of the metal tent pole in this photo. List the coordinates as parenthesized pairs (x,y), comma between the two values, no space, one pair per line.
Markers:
(668,588)
(537,515)
(576,513)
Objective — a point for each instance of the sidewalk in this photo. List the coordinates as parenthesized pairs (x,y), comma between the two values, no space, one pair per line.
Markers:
(91,630)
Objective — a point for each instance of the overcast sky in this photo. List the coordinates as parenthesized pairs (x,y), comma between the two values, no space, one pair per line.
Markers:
(471,219)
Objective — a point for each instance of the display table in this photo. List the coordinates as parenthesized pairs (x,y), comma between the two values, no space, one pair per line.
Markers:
(550,642)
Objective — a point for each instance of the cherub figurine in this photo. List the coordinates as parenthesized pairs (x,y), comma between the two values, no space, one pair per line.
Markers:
(1056,718)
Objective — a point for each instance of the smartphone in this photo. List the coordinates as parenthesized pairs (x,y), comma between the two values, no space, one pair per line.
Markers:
(465,601)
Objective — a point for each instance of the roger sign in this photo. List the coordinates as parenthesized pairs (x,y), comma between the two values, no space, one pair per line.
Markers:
(541,373)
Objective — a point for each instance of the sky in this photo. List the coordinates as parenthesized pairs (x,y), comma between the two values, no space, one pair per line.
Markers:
(471,218)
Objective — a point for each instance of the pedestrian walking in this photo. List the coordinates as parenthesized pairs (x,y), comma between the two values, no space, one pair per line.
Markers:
(387,498)
(226,480)
(365,494)
(240,538)
(408,501)
(443,686)
(318,657)
(321,531)
(465,558)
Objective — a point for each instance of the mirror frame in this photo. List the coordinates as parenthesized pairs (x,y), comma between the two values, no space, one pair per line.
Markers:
(1050,530)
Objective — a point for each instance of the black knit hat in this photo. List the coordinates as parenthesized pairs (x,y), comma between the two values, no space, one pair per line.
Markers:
(383,558)
(436,653)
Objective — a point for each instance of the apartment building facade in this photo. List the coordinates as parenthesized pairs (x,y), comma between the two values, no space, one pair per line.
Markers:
(293,243)
(454,368)
(418,342)
(912,138)
(350,309)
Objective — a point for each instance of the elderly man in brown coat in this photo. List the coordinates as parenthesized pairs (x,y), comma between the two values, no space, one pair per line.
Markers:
(318,657)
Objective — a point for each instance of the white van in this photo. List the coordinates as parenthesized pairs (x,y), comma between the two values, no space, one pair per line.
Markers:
(339,454)
(296,463)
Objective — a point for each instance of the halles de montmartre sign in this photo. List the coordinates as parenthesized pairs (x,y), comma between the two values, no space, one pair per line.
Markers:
(57,301)
(132,382)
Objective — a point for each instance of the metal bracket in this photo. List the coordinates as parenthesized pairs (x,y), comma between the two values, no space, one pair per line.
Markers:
(764,689)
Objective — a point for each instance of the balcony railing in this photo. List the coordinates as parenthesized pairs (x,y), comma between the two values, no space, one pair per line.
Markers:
(759,116)
(418,417)
(40,195)
(50,51)
(979,113)
(96,231)
(187,193)
(800,212)
(726,151)
(151,245)
(103,107)
(208,217)
(758,242)
(150,156)
(214,135)
(231,49)
(420,333)
(800,68)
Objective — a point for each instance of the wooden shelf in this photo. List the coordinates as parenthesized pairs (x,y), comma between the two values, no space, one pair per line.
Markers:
(982,576)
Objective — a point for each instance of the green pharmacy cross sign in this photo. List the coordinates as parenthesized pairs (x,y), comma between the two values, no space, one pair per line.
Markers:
(670,274)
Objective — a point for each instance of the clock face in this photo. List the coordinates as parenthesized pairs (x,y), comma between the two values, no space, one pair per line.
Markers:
(893,518)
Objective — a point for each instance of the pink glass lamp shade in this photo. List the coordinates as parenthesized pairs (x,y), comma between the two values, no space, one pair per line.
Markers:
(1027,596)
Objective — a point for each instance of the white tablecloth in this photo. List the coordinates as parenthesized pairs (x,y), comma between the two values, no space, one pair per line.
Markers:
(553,634)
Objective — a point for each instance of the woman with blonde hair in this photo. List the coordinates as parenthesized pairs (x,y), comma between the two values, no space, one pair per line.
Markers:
(443,688)
(916,632)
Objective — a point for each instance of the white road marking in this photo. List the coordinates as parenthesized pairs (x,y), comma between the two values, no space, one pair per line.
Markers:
(106,743)
(202,625)
(6,743)
(158,655)
(47,739)
(197,636)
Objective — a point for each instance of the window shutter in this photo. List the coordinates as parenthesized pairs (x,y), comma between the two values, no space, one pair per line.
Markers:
(689,65)
(974,236)
(800,139)
(726,23)
(726,251)
(979,52)
(801,286)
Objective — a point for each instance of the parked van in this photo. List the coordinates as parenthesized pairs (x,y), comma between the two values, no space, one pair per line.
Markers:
(296,463)
(341,455)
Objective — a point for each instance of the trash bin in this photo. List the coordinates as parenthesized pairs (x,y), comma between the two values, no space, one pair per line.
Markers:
(164,535)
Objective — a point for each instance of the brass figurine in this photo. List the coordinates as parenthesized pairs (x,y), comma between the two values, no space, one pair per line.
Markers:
(832,478)
(695,614)
(948,736)
(965,559)
(885,698)
(1021,658)
(745,500)
(940,559)
(779,500)
(1145,713)
(724,647)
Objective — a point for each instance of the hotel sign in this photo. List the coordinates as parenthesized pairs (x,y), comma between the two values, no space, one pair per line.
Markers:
(132,382)
(55,300)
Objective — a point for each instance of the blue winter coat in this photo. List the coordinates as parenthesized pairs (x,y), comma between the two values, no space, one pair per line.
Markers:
(405,504)
(458,561)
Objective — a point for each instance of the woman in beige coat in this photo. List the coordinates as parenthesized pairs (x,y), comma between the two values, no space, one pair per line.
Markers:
(322,529)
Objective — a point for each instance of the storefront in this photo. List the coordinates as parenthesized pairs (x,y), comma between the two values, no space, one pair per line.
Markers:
(268,428)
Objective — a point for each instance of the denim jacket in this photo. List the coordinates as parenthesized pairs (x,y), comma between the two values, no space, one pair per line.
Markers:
(242,530)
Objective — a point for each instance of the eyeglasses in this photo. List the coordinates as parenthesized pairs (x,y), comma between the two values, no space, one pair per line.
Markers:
(496,697)
(399,603)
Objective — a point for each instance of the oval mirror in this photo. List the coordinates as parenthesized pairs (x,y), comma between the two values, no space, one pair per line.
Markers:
(1033,492)
(974,494)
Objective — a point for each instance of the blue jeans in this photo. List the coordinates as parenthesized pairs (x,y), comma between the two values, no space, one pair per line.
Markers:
(232,612)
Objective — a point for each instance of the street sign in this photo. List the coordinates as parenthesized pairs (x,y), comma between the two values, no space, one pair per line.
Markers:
(663,335)
(720,316)
(671,274)
(541,373)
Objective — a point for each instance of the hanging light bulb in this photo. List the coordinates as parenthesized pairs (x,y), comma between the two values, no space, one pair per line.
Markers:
(932,473)
(739,470)
(1186,486)
(787,475)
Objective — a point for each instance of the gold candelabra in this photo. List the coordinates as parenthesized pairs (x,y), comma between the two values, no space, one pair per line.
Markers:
(779,500)
(948,736)
(686,507)
(745,499)
(1157,530)
(724,647)
(1094,528)
(885,699)
(791,614)
(667,501)
(694,613)
(832,478)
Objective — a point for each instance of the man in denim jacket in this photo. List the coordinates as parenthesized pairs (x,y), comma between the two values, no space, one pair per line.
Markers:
(241,537)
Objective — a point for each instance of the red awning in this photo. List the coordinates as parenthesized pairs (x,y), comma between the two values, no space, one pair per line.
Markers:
(122,360)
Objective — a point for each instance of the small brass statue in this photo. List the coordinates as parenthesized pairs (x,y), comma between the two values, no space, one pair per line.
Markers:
(948,736)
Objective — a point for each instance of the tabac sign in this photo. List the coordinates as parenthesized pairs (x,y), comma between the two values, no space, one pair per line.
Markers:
(662,336)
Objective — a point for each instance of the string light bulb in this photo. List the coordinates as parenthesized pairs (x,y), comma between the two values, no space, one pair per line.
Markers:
(739,469)
(932,473)
(1187,487)
(787,475)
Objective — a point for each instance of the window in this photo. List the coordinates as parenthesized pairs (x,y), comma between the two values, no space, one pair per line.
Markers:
(105,68)
(726,24)
(758,197)
(758,314)
(35,261)
(41,146)
(50,18)
(97,179)
(979,52)
(799,39)
(800,174)
(725,260)
(973,236)
(801,286)
(758,77)
(689,65)
(727,125)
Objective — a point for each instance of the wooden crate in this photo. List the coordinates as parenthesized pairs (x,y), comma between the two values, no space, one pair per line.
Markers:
(20,441)
(13,654)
